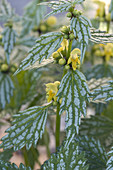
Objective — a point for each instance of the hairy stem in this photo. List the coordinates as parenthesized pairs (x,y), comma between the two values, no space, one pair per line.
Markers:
(58,126)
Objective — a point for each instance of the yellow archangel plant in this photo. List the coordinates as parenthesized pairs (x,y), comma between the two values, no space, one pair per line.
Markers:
(73,59)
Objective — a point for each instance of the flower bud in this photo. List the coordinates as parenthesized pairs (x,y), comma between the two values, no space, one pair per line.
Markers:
(54,103)
(66,36)
(67,67)
(71,36)
(71,9)
(65,29)
(43,28)
(69,15)
(51,21)
(4,67)
(62,61)
(76,13)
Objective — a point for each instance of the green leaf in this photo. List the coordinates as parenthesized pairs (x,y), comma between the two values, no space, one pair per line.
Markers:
(6,155)
(98,36)
(111,9)
(31,156)
(99,127)
(44,48)
(33,15)
(26,41)
(74,92)
(61,6)
(8,166)
(81,28)
(99,71)
(5,11)
(104,93)
(26,129)
(94,152)
(6,89)
(9,39)
(110,160)
(66,158)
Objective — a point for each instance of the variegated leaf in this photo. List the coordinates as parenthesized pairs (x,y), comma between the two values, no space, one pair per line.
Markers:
(74,93)
(6,89)
(110,160)
(98,36)
(44,48)
(81,28)
(60,6)
(99,71)
(66,158)
(5,10)
(27,127)
(8,166)
(104,93)
(33,15)
(94,152)
(9,39)
(99,127)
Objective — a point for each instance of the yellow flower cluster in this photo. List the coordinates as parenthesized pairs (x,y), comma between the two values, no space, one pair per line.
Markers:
(104,51)
(61,53)
(51,91)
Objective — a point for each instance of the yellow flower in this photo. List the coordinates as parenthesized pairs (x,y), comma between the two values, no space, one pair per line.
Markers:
(51,90)
(108,49)
(64,45)
(74,58)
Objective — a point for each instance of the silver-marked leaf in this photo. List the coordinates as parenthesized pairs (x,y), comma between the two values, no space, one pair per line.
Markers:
(99,71)
(8,166)
(74,92)
(99,127)
(9,39)
(110,160)
(104,93)
(27,127)
(66,158)
(5,10)
(81,28)
(6,89)
(97,83)
(44,48)
(94,152)
(60,6)
(33,15)
(98,36)
(111,9)
(26,41)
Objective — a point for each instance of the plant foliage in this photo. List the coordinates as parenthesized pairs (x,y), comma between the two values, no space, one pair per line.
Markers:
(26,129)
